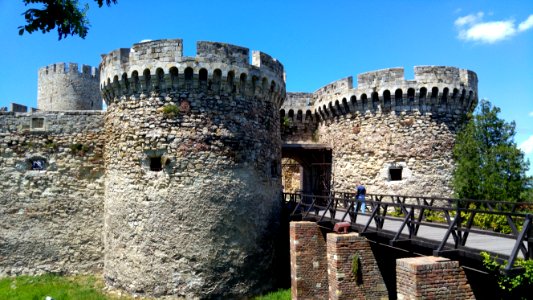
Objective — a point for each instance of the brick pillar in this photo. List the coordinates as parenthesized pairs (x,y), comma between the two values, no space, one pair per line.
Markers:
(308,262)
(343,284)
(431,277)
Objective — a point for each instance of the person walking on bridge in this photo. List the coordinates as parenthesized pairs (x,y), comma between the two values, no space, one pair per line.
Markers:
(360,196)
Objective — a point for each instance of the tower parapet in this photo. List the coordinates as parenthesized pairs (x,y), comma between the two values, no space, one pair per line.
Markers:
(434,89)
(64,86)
(159,66)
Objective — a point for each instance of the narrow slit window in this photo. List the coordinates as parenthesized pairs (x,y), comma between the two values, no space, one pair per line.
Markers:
(274,169)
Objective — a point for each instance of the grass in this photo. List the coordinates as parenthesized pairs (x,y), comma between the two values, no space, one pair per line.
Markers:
(86,287)
(277,295)
(55,286)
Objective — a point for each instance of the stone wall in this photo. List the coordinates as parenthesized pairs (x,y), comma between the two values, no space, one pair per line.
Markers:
(298,124)
(431,278)
(193,168)
(63,87)
(51,219)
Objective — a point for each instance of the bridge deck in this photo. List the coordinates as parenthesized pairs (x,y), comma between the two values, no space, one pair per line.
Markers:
(476,242)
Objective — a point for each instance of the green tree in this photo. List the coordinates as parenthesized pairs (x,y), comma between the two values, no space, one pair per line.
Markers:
(67,15)
(489,165)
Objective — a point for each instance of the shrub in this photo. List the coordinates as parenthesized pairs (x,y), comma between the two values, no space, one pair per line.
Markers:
(171,111)
(510,282)
(78,148)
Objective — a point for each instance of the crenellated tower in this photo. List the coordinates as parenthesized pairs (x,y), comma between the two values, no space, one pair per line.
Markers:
(64,87)
(394,135)
(192,168)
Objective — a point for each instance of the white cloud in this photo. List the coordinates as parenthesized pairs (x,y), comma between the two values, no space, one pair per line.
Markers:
(526,24)
(472,28)
(527,145)
(469,19)
(489,32)
(530,114)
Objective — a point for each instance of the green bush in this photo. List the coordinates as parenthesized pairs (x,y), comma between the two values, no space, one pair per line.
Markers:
(510,282)
(171,111)
(78,148)
(356,267)
(435,216)
(497,223)
(285,122)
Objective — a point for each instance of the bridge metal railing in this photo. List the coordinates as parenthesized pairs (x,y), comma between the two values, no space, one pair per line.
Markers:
(416,211)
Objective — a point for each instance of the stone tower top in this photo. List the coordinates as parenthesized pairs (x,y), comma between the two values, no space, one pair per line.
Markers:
(64,87)
(434,88)
(159,66)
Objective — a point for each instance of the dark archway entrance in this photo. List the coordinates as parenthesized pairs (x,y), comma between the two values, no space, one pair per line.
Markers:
(315,166)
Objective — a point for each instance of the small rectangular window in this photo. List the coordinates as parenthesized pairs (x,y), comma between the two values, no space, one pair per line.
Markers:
(37,123)
(395,173)
(37,164)
(155,164)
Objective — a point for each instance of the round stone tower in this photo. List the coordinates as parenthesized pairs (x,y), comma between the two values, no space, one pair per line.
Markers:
(66,88)
(394,135)
(192,169)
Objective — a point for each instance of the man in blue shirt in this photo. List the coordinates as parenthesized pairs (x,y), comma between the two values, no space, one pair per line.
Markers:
(360,196)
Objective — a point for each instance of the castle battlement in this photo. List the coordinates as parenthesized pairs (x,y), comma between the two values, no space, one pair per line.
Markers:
(434,89)
(159,66)
(70,68)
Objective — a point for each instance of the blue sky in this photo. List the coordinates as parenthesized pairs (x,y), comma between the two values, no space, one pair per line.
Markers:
(317,41)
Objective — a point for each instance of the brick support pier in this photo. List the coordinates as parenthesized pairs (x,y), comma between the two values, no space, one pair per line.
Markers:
(323,270)
(347,253)
(431,278)
(308,262)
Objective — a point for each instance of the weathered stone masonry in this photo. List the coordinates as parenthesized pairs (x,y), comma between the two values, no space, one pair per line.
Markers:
(51,220)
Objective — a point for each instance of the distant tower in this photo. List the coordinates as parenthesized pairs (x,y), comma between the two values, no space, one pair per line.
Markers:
(62,88)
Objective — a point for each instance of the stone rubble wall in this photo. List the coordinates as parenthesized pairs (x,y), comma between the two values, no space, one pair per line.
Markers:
(204,225)
(64,87)
(431,278)
(51,220)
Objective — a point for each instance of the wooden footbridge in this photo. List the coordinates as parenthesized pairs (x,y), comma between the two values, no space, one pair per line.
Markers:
(444,225)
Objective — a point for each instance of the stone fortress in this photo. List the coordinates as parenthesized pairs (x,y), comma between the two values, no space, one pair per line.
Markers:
(175,188)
